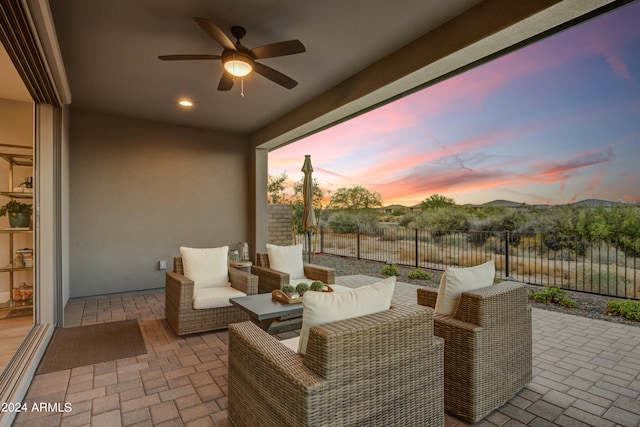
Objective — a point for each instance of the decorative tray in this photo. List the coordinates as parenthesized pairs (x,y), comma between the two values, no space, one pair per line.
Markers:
(278,295)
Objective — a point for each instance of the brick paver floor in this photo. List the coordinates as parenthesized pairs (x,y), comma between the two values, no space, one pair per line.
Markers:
(586,373)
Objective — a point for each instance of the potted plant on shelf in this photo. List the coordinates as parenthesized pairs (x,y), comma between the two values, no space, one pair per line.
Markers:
(19,213)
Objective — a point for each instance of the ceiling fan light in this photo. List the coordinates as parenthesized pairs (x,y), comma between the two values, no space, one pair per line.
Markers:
(238,66)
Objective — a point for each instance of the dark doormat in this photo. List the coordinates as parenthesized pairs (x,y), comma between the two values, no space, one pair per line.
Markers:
(86,345)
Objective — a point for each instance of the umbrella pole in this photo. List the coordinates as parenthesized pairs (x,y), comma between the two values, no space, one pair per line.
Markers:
(309,246)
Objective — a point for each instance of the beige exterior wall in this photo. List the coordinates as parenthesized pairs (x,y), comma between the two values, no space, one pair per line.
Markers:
(139,190)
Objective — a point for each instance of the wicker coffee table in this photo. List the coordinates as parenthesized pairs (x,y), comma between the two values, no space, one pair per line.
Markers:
(266,312)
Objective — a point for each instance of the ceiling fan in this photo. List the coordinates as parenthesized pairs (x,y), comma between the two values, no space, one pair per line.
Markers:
(238,60)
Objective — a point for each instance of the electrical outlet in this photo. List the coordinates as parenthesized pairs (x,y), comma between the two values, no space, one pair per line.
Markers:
(162,264)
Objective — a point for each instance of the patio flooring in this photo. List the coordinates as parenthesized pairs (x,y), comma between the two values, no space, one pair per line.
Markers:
(586,373)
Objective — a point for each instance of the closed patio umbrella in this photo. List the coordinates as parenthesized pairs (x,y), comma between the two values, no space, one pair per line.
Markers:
(308,215)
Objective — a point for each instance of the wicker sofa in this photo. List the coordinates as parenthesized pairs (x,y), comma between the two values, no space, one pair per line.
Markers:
(270,279)
(361,371)
(488,347)
(179,311)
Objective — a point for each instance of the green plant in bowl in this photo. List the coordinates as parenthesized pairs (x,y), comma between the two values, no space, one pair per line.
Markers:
(289,290)
(302,288)
(317,286)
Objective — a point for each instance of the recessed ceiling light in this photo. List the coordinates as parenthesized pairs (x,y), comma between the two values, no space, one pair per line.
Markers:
(186,103)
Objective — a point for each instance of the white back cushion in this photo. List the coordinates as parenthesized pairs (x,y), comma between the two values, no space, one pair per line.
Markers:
(286,259)
(327,307)
(207,267)
(455,281)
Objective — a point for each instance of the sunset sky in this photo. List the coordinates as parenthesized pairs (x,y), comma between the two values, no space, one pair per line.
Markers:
(555,122)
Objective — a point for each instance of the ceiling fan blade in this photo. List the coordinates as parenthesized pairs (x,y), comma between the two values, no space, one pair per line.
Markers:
(274,75)
(226,81)
(289,47)
(187,57)
(216,33)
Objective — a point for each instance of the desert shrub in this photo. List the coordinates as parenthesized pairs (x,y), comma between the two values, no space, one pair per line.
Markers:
(629,309)
(418,274)
(630,245)
(342,222)
(552,295)
(443,221)
(390,270)
(407,220)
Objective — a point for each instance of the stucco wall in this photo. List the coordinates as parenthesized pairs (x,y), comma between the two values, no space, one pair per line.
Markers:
(139,190)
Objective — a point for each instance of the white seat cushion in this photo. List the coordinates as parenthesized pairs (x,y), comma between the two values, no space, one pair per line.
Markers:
(455,281)
(292,343)
(207,267)
(286,259)
(217,296)
(325,307)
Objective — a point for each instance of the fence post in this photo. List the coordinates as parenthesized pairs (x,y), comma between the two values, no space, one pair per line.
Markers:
(506,253)
(417,258)
(358,242)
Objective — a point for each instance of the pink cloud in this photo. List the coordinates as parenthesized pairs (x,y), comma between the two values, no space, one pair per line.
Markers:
(554,171)
(596,180)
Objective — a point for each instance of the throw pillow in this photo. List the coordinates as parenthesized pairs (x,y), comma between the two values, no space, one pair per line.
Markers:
(207,267)
(327,307)
(455,281)
(286,259)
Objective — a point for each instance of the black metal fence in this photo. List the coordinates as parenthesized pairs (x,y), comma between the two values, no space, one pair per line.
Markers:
(608,267)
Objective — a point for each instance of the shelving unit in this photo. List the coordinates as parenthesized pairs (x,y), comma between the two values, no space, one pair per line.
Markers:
(10,268)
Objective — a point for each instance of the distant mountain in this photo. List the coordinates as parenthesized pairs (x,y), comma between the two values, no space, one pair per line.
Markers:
(587,202)
(497,203)
(598,202)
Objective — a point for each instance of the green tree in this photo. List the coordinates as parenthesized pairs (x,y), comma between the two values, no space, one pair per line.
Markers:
(437,201)
(355,198)
(276,187)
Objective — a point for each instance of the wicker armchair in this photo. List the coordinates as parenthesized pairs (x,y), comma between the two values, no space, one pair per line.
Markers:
(270,279)
(488,347)
(179,311)
(360,371)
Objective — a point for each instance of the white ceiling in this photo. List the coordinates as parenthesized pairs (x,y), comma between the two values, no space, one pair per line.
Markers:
(110,51)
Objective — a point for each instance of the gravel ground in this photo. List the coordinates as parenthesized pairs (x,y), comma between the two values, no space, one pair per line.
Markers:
(589,305)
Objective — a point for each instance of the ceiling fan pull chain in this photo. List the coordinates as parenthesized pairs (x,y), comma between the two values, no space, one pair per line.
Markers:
(242,86)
